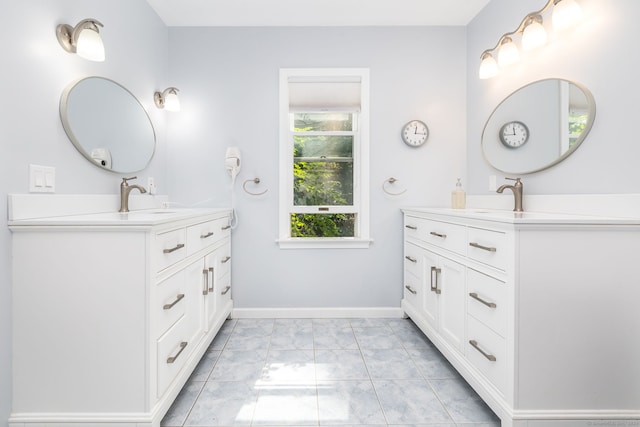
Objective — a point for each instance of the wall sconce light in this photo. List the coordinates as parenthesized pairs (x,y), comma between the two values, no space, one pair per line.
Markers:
(83,39)
(168,99)
(565,14)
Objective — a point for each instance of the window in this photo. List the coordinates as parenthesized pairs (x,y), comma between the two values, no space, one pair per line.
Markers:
(324,158)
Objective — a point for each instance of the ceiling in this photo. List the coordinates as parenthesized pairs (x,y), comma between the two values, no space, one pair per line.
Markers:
(192,13)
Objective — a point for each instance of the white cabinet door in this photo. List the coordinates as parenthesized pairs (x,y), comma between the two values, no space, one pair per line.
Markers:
(431,301)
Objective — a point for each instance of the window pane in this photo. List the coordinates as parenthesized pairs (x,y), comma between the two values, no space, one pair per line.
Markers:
(322,122)
(323,146)
(323,225)
(323,183)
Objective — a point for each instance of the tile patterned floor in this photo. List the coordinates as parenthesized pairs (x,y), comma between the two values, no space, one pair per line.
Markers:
(326,372)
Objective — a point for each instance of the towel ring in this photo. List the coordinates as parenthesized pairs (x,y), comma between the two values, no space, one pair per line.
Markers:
(391,181)
(255,181)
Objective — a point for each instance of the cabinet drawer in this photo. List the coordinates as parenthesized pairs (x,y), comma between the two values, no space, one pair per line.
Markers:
(413,260)
(444,235)
(488,247)
(413,290)
(223,257)
(486,350)
(174,348)
(413,226)
(170,247)
(486,300)
(223,290)
(202,235)
(171,301)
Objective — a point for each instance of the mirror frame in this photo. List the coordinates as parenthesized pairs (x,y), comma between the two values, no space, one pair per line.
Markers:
(591,112)
(66,123)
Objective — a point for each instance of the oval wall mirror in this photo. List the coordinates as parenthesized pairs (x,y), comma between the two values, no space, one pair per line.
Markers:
(538,126)
(107,124)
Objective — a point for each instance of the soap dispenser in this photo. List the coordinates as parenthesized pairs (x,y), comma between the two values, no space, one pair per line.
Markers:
(458,197)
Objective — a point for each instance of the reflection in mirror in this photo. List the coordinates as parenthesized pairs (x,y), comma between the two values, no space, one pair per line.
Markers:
(107,124)
(558,115)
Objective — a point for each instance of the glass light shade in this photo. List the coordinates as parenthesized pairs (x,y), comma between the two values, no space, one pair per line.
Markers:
(508,53)
(90,46)
(565,14)
(533,36)
(171,101)
(488,67)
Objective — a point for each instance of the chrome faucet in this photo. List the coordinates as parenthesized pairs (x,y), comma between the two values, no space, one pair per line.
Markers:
(517,193)
(125,189)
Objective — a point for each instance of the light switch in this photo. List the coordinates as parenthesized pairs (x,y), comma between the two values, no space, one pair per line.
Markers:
(42,179)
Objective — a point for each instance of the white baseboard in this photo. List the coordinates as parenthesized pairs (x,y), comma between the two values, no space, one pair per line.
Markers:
(317,313)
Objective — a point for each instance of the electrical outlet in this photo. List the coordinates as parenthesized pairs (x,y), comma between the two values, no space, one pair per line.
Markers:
(42,179)
(151,185)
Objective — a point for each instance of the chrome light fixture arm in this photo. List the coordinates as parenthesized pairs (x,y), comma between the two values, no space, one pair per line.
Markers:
(68,35)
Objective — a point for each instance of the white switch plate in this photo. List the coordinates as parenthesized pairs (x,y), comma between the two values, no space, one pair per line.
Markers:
(42,179)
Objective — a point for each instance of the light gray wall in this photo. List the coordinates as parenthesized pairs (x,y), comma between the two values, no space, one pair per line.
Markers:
(600,53)
(229,92)
(34,72)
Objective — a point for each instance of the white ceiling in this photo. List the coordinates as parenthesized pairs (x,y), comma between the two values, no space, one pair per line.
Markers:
(176,13)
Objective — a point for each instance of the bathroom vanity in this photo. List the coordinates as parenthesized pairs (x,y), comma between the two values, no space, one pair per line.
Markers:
(112,312)
(538,312)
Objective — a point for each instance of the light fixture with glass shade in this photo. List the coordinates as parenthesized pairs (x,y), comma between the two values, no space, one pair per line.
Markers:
(533,35)
(167,99)
(83,39)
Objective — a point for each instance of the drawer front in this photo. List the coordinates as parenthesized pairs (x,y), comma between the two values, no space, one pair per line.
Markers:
(170,248)
(413,290)
(174,348)
(171,301)
(486,350)
(413,226)
(223,290)
(200,236)
(486,300)
(488,247)
(444,235)
(223,256)
(413,261)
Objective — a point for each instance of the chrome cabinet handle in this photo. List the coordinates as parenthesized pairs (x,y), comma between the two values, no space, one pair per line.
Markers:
(205,291)
(225,227)
(410,289)
(226,289)
(170,305)
(479,246)
(477,298)
(411,259)
(175,248)
(209,234)
(490,357)
(442,236)
(225,260)
(172,359)
(434,283)
(211,271)
(411,227)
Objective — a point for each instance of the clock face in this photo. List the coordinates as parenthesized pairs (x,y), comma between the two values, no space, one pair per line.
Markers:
(415,133)
(514,134)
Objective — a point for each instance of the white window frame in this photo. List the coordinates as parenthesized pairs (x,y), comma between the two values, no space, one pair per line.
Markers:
(360,161)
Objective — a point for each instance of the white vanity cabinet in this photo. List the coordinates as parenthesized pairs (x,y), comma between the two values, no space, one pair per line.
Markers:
(541,317)
(112,312)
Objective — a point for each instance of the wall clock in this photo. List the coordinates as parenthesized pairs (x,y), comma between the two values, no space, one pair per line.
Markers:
(514,134)
(415,133)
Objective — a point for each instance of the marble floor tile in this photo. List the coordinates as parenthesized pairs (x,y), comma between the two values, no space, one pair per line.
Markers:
(291,337)
(393,363)
(431,363)
(410,402)
(462,402)
(348,402)
(224,403)
(239,365)
(177,413)
(205,366)
(287,405)
(284,366)
(334,323)
(376,337)
(340,365)
(330,337)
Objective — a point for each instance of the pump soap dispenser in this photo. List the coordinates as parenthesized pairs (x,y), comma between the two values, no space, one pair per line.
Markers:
(458,197)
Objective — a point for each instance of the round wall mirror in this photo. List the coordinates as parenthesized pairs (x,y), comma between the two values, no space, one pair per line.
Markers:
(538,126)
(107,124)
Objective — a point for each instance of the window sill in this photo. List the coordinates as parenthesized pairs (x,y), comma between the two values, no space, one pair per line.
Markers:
(324,243)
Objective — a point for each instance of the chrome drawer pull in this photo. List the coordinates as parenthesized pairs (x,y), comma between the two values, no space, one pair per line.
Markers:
(211,271)
(205,291)
(442,236)
(172,359)
(411,259)
(479,246)
(225,260)
(225,227)
(209,234)
(411,227)
(226,289)
(490,357)
(477,298)
(410,289)
(177,300)
(178,246)
(434,283)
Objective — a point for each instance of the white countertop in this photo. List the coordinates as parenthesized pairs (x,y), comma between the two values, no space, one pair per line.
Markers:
(505,216)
